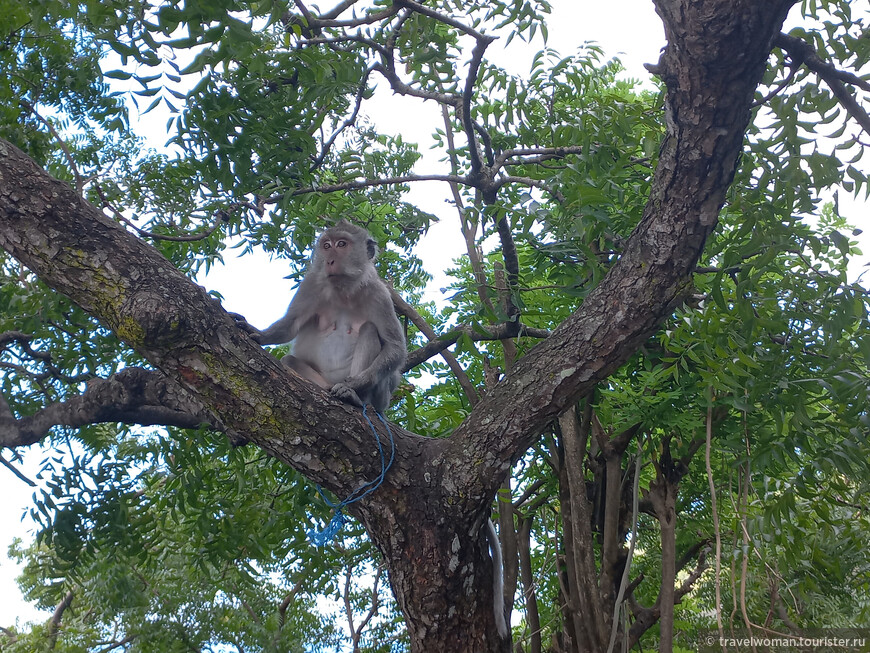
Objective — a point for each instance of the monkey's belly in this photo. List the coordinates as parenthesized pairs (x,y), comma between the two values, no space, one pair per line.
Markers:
(329,351)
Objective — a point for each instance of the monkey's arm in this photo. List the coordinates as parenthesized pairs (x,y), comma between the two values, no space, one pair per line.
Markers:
(301,309)
(284,330)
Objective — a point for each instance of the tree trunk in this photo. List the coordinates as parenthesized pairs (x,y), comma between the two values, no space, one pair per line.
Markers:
(668,523)
(663,497)
(508,537)
(530,598)
(574,437)
(440,572)
(428,517)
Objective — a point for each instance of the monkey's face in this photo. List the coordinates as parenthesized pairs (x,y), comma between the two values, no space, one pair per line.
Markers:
(340,256)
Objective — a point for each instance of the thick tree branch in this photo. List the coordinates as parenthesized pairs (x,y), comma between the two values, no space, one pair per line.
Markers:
(707,109)
(511,265)
(174,324)
(404,308)
(477,166)
(132,396)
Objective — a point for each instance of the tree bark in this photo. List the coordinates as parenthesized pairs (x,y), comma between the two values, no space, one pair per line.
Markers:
(508,537)
(667,516)
(427,517)
(715,57)
(588,598)
(530,597)
(613,530)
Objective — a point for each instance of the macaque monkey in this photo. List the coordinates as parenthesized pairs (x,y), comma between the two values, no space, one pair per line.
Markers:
(346,335)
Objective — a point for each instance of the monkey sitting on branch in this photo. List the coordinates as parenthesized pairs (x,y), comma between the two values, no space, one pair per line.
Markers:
(347,338)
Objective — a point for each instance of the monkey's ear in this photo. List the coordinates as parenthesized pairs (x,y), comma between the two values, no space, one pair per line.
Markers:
(371,247)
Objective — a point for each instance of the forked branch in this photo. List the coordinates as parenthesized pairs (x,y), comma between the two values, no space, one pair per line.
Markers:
(487,166)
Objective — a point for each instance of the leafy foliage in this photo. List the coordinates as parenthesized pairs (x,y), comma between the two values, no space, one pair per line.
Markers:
(173,540)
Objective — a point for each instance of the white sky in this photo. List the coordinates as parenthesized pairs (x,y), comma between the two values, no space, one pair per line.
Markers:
(629,29)
(571,24)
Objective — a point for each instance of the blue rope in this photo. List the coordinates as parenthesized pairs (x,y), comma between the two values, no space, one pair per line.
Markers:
(338,520)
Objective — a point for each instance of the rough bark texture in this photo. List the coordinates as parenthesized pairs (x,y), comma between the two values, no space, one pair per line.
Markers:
(591,633)
(428,517)
(533,620)
(132,396)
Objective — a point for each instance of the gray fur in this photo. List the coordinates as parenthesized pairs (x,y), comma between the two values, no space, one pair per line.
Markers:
(346,335)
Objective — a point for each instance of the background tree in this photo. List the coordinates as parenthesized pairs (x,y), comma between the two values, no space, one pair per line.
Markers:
(585,207)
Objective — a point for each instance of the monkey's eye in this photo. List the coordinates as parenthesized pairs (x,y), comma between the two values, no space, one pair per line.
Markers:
(327,244)
(341,243)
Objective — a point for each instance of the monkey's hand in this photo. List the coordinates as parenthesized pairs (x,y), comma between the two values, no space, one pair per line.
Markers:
(242,323)
(347,394)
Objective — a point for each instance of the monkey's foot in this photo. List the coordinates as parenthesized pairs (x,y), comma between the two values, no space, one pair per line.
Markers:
(347,394)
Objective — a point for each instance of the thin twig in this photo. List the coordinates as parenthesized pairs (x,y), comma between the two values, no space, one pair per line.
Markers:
(221,218)
(441,18)
(347,123)
(533,183)
(802,52)
(80,184)
(476,333)
(506,157)
(404,308)
(357,184)
(8,465)
(623,584)
(320,22)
